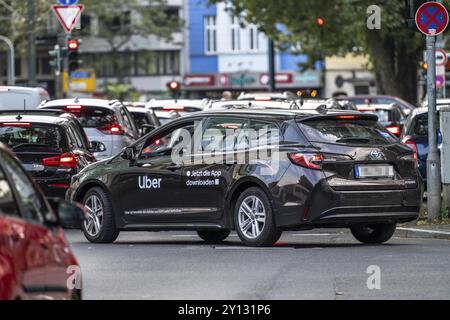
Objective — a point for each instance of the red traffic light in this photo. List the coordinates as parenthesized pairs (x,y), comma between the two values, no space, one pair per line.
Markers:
(73,45)
(174,85)
(320,21)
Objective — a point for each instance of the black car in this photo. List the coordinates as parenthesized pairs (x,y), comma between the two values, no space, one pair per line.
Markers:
(51,144)
(334,169)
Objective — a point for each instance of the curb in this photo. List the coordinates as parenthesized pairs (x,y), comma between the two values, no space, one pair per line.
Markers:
(422,233)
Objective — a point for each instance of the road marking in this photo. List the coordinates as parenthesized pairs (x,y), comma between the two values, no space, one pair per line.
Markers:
(424,231)
(313,235)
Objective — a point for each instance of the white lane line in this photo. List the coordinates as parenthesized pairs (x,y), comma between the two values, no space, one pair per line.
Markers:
(425,231)
(185,236)
(313,235)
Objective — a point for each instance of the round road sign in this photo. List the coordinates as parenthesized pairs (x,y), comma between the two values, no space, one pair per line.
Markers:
(432,18)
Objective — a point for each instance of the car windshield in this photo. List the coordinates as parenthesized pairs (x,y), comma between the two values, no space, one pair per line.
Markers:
(346,132)
(91,117)
(31,137)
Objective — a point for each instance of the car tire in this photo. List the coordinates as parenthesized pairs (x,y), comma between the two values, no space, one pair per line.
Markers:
(264,232)
(214,236)
(374,234)
(108,232)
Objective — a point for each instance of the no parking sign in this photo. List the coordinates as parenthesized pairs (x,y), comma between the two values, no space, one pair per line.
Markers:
(432,18)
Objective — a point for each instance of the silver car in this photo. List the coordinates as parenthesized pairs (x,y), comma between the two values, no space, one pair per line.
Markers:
(105,121)
(14,98)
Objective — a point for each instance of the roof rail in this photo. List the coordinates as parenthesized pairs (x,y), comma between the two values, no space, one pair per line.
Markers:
(113,102)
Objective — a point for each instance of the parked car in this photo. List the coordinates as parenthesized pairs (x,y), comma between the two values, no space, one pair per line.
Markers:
(380,100)
(52,146)
(145,119)
(35,257)
(22,97)
(105,121)
(391,116)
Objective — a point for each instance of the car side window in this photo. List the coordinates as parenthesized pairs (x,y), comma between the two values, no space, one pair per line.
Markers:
(264,133)
(167,140)
(76,136)
(127,121)
(8,205)
(34,205)
(225,134)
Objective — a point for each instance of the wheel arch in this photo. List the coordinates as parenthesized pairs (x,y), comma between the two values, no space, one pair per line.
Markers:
(236,191)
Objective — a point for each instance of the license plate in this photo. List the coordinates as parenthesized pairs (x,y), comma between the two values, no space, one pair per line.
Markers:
(374,171)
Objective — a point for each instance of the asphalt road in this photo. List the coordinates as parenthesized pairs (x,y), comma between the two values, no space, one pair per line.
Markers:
(311,265)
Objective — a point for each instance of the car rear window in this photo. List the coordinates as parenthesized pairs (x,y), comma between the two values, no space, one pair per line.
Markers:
(91,117)
(346,132)
(32,137)
(140,119)
(421,125)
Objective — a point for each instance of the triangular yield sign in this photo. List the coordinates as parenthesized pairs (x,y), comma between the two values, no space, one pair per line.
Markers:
(68,16)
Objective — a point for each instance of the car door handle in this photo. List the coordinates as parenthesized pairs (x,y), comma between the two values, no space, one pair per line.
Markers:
(174,167)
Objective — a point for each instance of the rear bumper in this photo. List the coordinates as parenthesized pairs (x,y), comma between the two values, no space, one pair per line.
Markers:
(326,207)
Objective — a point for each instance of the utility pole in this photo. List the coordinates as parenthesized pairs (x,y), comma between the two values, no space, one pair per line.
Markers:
(272,79)
(31,45)
(433,161)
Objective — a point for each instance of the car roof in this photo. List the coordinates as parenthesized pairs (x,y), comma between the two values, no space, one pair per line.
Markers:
(86,102)
(274,113)
(378,106)
(181,102)
(22,89)
(138,110)
(43,119)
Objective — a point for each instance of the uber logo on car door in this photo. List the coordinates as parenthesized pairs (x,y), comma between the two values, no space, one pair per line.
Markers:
(149,183)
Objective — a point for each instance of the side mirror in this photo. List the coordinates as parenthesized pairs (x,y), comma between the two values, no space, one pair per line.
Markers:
(97,146)
(129,153)
(147,128)
(70,215)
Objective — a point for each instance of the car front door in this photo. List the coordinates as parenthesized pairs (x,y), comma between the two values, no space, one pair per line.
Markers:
(42,255)
(149,187)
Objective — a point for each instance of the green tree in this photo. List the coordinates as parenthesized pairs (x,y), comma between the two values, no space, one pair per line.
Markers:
(394,50)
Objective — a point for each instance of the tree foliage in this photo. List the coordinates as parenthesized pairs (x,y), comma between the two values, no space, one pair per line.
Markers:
(394,50)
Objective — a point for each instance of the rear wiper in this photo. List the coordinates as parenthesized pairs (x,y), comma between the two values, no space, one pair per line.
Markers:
(30,145)
(354,139)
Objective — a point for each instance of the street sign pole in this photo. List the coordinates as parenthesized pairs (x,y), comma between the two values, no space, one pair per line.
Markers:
(433,161)
(67,67)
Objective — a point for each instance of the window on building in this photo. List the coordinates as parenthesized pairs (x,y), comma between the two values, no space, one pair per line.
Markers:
(210,34)
(253,38)
(85,24)
(235,34)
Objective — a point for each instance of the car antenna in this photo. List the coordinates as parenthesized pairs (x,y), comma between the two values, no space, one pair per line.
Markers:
(19,117)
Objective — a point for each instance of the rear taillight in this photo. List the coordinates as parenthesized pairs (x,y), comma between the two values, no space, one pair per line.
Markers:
(74,108)
(395,130)
(67,160)
(16,124)
(307,160)
(114,129)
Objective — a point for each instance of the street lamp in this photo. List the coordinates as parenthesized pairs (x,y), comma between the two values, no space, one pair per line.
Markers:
(11,61)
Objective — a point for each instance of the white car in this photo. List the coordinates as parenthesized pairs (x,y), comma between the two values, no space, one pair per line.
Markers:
(181,106)
(19,98)
(105,121)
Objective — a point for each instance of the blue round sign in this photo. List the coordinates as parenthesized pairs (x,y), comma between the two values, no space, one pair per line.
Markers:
(68,2)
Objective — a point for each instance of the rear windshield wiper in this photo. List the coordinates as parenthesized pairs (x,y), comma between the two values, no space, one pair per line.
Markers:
(354,139)
(30,145)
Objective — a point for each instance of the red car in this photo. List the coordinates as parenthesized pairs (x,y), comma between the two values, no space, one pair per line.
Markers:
(35,259)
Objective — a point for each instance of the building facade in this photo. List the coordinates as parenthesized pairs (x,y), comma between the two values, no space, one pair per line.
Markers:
(223,55)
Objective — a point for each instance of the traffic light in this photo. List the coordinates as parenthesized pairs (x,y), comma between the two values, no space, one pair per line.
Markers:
(320,22)
(74,59)
(56,62)
(410,12)
(174,88)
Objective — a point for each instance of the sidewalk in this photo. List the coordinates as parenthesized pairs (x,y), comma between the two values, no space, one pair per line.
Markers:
(426,231)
